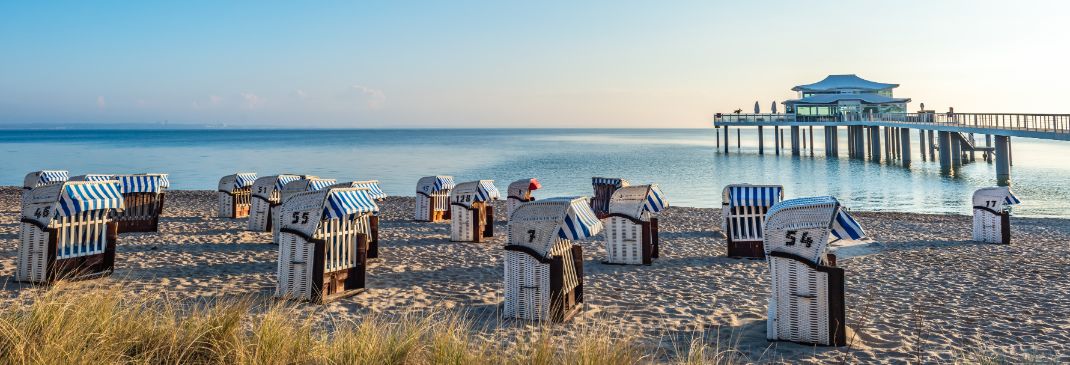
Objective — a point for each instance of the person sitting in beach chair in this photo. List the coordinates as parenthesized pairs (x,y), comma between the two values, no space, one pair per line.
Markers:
(806,304)
(471,212)
(323,244)
(266,194)
(743,209)
(143,199)
(543,268)
(992,214)
(520,192)
(603,191)
(66,231)
(235,193)
(371,221)
(433,198)
(293,188)
(632,224)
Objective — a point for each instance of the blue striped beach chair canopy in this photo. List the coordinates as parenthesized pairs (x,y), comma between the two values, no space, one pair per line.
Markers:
(344,202)
(70,198)
(307,184)
(433,184)
(44,177)
(618,182)
(997,198)
(569,218)
(470,192)
(143,183)
(282,180)
(840,222)
(237,181)
(747,195)
(634,201)
(93,177)
(374,190)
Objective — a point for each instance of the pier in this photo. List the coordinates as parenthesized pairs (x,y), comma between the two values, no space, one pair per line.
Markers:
(887,136)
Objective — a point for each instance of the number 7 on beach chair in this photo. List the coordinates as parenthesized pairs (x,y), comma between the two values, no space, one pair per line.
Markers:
(743,210)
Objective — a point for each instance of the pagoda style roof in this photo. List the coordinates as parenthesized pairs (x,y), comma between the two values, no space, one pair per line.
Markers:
(836,98)
(844,82)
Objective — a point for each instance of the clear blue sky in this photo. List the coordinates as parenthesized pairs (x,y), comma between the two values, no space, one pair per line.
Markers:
(511,64)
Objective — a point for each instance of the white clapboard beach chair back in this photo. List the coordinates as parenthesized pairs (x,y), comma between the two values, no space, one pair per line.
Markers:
(603,191)
(991,214)
(806,304)
(543,268)
(433,198)
(323,243)
(143,200)
(65,231)
(519,192)
(743,210)
(471,215)
(235,194)
(372,221)
(266,194)
(632,224)
(292,188)
(43,177)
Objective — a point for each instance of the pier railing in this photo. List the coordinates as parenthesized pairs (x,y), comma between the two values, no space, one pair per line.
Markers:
(1049,123)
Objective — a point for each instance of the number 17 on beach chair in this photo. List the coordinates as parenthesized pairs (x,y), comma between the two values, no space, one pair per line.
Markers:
(235,194)
(323,244)
(806,304)
(66,232)
(991,214)
(743,210)
(543,268)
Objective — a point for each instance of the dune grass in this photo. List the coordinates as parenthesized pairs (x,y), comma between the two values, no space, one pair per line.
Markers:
(102,326)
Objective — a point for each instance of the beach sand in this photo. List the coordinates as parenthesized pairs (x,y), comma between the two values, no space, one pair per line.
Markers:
(921,292)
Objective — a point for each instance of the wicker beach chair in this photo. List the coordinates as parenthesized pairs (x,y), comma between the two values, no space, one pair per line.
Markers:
(743,211)
(143,199)
(39,178)
(543,268)
(235,194)
(806,304)
(266,194)
(290,189)
(992,214)
(632,225)
(66,231)
(603,191)
(433,198)
(471,212)
(323,244)
(519,192)
(375,192)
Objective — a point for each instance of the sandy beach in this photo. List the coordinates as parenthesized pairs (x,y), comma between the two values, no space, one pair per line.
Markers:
(922,291)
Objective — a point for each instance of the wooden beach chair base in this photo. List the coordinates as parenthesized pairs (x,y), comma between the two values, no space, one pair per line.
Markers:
(746,249)
(142,213)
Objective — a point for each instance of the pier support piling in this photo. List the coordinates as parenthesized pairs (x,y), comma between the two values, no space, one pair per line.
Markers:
(1003,161)
(776,140)
(904,138)
(794,140)
(921,144)
(944,139)
(761,141)
(875,144)
(726,139)
(811,140)
(956,151)
(932,146)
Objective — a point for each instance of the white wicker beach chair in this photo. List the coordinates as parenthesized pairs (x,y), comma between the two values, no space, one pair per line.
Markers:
(472,216)
(806,304)
(603,191)
(632,224)
(323,244)
(543,268)
(293,188)
(433,198)
(743,210)
(375,192)
(235,194)
(991,214)
(266,194)
(39,178)
(519,192)
(66,233)
(143,199)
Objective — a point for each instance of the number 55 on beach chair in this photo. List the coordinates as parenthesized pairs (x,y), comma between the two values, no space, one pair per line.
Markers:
(806,304)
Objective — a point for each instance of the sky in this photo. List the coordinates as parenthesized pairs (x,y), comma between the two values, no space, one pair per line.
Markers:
(418,64)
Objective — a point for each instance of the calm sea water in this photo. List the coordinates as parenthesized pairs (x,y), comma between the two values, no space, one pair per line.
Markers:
(686,163)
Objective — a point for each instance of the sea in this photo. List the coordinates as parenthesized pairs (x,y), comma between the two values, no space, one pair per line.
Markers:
(686,163)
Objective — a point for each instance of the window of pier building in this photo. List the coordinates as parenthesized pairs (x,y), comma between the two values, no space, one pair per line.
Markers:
(814,110)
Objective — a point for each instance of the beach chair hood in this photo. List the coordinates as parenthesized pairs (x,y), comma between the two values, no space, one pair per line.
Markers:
(303,212)
(44,177)
(997,199)
(618,182)
(474,191)
(633,201)
(374,190)
(520,189)
(143,183)
(93,177)
(69,198)
(747,195)
(305,185)
(812,213)
(539,224)
(433,184)
(237,181)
